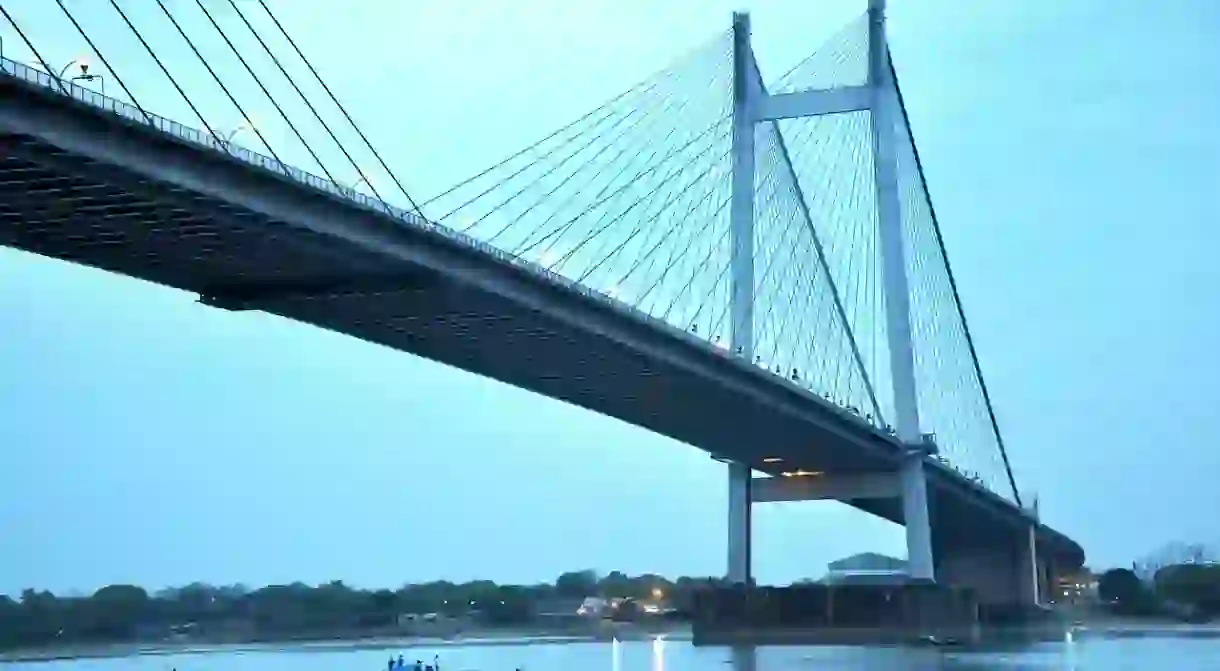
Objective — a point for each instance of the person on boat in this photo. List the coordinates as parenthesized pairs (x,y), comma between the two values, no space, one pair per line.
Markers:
(390,665)
(401,662)
(419,666)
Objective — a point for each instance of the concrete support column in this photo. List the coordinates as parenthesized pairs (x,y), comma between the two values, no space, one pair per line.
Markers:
(1030,573)
(915,518)
(995,574)
(897,298)
(1048,579)
(744,658)
(740,534)
(741,194)
(746,92)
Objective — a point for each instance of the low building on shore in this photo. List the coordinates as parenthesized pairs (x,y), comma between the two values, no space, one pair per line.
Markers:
(867,568)
(1075,589)
(558,608)
(595,606)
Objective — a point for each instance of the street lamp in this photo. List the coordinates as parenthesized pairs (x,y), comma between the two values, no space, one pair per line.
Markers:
(83,76)
(353,189)
(245,124)
(84,66)
(86,76)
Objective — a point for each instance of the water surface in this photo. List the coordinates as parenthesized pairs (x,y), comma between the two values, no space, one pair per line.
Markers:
(1082,654)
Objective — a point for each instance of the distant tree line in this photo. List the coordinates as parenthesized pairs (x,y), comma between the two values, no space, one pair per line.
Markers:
(118,613)
(1170,554)
(1188,591)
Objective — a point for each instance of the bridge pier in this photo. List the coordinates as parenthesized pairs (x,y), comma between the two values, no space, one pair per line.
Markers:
(897,295)
(1032,584)
(914,492)
(741,276)
(740,532)
(752,105)
(1011,575)
(908,484)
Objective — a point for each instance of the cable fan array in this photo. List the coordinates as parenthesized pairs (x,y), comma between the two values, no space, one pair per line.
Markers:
(631,201)
(216,61)
(832,156)
(953,399)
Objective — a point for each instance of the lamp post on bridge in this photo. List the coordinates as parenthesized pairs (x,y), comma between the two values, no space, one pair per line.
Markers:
(226,138)
(87,76)
(84,75)
(245,124)
(79,60)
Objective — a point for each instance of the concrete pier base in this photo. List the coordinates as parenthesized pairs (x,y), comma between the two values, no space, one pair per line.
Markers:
(835,615)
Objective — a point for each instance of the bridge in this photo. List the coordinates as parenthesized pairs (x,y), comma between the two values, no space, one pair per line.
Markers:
(755,270)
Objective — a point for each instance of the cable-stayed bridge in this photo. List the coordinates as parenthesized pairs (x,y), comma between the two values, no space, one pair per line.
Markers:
(755,270)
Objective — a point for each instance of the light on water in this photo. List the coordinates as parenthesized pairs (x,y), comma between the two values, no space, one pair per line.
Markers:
(1069,650)
(658,653)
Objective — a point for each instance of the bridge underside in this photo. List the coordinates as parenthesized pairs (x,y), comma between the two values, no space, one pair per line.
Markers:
(64,195)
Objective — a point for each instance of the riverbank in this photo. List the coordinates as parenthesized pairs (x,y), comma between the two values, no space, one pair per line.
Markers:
(1103,629)
(1144,653)
(1129,628)
(471,638)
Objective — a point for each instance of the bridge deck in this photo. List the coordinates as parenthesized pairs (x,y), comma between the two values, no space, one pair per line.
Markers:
(85,185)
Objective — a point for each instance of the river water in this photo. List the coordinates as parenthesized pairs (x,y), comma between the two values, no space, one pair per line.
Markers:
(1081,654)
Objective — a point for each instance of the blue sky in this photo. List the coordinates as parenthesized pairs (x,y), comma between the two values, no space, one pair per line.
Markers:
(1072,154)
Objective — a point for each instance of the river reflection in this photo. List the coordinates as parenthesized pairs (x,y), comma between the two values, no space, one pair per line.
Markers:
(1081,654)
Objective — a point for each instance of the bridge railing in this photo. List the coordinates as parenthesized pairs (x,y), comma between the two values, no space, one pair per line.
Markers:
(205,140)
(184,132)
